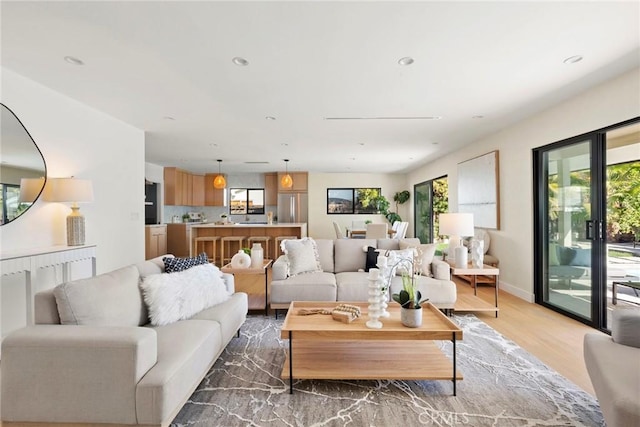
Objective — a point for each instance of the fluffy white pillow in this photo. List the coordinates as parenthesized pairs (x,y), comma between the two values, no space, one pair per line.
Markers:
(181,295)
(302,256)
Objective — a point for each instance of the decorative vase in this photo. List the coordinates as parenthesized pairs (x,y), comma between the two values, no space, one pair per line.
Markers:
(374,299)
(257,255)
(386,280)
(411,317)
(477,253)
(241,260)
(461,256)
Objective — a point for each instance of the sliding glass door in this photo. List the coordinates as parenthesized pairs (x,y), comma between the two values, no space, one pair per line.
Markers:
(576,194)
(430,199)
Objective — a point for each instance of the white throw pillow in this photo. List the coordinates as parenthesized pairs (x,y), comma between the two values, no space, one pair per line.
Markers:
(302,256)
(181,295)
(424,255)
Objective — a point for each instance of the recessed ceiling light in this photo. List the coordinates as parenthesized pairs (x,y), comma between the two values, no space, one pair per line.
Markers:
(270,118)
(73,60)
(213,144)
(435,143)
(573,59)
(168,118)
(477,117)
(284,144)
(407,60)
(240,61)
(361,143)
(352,158)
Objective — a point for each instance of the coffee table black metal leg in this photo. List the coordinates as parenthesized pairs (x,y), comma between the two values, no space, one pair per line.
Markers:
(266,292)
(497,281)
(290,364)
(453,340)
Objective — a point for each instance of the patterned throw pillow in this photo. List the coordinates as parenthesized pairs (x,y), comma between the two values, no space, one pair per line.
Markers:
(173,265)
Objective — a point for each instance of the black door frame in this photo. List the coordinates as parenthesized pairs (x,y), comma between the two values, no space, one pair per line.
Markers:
(598,165)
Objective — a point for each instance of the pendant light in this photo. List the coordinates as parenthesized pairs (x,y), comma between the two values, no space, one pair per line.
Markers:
(286,181)
(219,182)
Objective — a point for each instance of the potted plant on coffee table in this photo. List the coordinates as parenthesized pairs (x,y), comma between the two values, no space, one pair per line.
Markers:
(410,300)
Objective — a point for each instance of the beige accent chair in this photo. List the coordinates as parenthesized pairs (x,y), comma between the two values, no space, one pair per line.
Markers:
(613,364)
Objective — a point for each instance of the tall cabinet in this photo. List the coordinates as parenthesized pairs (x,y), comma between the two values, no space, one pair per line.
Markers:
(155,240)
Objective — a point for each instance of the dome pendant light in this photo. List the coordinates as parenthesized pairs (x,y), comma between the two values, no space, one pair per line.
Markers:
(286,181)
(219,182)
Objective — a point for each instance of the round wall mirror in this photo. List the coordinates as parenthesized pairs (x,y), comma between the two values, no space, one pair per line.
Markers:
(22,168)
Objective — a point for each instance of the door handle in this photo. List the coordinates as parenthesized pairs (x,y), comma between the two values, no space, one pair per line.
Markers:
(589,227)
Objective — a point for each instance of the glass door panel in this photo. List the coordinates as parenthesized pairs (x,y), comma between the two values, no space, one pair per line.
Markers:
(567,279)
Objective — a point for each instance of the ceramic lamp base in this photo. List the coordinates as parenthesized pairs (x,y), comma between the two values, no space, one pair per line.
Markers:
(462,257)
(75,228)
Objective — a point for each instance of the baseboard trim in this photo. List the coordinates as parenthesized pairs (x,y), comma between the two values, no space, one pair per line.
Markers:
(520,293)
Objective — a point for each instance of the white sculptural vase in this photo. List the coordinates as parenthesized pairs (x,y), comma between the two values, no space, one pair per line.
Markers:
(375,296)
(241,260)
(477,253)
(257,255)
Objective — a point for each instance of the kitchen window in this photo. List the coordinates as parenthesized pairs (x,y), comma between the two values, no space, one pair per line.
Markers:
(247,201)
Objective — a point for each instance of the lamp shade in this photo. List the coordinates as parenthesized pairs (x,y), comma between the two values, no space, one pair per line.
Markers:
(456,224)
(286,181)
(69,190)
(30,189)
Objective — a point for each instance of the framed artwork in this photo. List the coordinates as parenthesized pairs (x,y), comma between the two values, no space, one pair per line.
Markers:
(479,190)
(365,200)
(340,200)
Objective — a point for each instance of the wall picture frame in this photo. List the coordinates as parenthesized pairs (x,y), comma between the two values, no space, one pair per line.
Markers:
(340,201)
(479,189)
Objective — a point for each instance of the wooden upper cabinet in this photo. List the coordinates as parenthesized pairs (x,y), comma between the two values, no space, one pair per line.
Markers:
(212,195)
(271,188)
(197,193)
(181,188)
(300,182)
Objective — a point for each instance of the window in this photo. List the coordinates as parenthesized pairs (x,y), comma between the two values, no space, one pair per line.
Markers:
(246,201)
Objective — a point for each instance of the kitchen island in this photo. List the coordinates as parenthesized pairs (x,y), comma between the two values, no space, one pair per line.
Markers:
(248,230)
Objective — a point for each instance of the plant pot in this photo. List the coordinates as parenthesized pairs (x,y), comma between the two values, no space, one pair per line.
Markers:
(411,317)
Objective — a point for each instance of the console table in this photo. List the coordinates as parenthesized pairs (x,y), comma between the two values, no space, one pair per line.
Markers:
(30,261)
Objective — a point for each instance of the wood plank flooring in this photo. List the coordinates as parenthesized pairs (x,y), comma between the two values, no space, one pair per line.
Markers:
(553,338)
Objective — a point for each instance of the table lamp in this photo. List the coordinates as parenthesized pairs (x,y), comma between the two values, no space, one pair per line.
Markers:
(30,189)
(75,191)
(457,225)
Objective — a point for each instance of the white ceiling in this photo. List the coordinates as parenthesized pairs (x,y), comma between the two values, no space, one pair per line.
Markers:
(145,61)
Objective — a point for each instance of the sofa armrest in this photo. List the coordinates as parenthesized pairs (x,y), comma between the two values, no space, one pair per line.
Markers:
(279,269)
(64,373)
(229,282)
(440,269)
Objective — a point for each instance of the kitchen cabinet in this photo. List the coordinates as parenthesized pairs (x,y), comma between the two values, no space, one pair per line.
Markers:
(300,182)
(155,240)
(271,188)
(213,196)
(197,191)
(178,241)
(175,186)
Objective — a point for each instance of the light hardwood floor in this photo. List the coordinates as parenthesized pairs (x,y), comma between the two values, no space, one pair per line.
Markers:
(553,338)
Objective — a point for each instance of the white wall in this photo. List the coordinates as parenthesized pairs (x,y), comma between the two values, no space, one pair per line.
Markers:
(607,104)
(82,142)
(320,225)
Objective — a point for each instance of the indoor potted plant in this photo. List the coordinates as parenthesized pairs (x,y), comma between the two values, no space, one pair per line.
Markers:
(410,300)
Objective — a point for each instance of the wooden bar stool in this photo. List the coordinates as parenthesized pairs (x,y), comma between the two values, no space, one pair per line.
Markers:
(224,259)
(265,244)
(204,240)
(277,251)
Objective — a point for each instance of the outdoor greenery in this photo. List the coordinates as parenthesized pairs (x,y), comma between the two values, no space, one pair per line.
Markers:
(431,199)
(623,199)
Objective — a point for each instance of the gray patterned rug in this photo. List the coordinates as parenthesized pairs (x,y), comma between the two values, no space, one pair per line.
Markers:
(503,386)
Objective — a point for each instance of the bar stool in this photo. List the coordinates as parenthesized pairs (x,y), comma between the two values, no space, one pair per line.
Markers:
(265,240)
(204,240)
(229,240)
(277,251)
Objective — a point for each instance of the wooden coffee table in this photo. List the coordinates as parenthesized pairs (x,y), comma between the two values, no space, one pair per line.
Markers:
(323,348)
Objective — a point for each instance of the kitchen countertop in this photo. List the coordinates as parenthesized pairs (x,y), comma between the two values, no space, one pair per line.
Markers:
(256,225)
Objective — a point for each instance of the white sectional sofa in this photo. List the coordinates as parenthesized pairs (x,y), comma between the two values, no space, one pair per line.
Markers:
(113,368)
(343,277)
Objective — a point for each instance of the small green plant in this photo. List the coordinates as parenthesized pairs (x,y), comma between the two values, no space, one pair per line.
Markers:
(185,218)
(247,251)
(368,221)
(409,296)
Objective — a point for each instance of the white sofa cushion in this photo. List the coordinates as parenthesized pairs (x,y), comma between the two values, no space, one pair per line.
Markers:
(625,326)
(178,296)
(301,255)
(111,299)
(349,255)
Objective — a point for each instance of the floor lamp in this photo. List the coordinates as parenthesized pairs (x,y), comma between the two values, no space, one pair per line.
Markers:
(75,191)
(456,226)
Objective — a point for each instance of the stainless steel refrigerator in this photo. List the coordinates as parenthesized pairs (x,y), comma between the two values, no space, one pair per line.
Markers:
(292,207)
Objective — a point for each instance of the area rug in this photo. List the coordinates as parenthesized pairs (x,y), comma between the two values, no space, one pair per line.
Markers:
(503,386)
